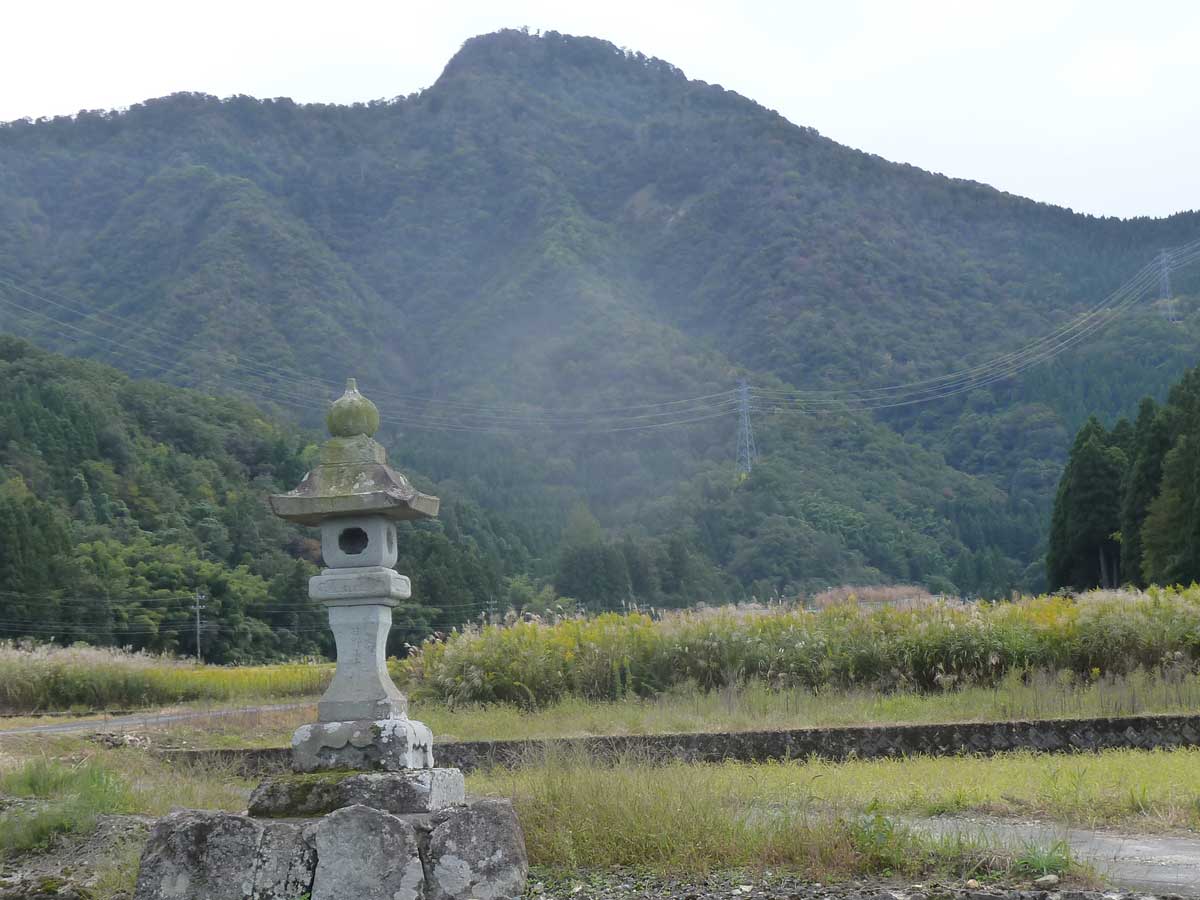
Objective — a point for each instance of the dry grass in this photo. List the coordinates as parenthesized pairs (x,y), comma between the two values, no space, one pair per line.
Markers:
(690,819)
(923,646)
(823,820)
(743,707)
(898,596)
(42,678)
(1145,791)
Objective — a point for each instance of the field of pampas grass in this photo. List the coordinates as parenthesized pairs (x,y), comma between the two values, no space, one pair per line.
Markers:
(916,645)
(39,678)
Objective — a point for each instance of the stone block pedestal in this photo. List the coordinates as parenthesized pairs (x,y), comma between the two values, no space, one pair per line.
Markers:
(464,851)
(387,744)
(439,849)
(294,796)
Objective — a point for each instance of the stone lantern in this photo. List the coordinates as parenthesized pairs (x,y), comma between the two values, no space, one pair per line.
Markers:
(365,815)
(356,498)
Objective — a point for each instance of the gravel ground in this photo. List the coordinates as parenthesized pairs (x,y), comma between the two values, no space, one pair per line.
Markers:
(67,870)
(760,886)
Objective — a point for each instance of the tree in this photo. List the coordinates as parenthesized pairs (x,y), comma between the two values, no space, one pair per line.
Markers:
(1151,442)
(1171,533)
(593,573)
(1084,549)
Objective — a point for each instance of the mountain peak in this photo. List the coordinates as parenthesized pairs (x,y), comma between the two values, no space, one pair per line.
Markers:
(514,50)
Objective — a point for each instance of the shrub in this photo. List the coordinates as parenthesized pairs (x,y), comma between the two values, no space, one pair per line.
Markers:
(926,646)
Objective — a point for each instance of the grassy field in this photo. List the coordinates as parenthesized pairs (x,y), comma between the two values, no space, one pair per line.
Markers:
(823,821)
(743,707)
(932,647)
(1104,655)
(85,679)
(928,647)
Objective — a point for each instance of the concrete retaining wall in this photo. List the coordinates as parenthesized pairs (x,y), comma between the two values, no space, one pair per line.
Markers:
(864,742)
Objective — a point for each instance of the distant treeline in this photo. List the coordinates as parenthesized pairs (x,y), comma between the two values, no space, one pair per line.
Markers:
(1128,504)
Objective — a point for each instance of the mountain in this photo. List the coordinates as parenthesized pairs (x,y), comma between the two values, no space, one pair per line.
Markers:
(550,269)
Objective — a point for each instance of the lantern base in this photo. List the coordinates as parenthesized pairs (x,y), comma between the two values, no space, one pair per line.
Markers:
(391,745)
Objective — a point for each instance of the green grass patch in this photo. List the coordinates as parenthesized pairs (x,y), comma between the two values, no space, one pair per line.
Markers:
(689,819)
(66,798)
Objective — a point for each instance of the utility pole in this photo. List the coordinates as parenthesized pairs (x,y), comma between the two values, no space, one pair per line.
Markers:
(747,452)
(1164,286)
(198,604)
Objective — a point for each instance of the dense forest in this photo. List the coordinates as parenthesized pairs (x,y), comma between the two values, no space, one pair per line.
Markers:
(122,500)
(549,270)
(1127,509)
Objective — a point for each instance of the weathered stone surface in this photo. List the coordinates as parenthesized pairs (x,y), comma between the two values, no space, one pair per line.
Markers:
(315,794)
(357,542)
(361,689)
(391,745)
(358,587)
(1145,732)
(199,855)
(477,851)
(353,477)
(352,413)
(366,854)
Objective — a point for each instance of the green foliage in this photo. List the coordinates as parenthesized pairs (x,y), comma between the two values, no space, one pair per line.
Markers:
(935,647)
(120,499)
(1138,485)
(1150,445)
(560,225)
(1084,543)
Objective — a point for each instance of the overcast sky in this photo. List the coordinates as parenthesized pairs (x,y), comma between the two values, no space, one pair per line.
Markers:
(1091,105)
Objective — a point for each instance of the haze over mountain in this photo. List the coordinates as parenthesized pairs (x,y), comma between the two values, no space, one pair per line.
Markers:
(517,261)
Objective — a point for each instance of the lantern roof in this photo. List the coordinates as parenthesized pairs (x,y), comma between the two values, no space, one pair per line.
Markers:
(353,477)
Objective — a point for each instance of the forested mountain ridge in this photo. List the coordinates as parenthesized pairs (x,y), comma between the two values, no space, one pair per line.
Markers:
(121,500)
(557,225)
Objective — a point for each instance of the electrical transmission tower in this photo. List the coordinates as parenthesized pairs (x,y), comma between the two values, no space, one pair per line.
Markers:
(747,452)
(1164,287)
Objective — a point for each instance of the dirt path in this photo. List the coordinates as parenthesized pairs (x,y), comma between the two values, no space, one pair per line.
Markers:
(139,721)
(1158,864)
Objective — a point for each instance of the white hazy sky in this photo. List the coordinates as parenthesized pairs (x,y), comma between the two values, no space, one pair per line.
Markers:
(1090,104)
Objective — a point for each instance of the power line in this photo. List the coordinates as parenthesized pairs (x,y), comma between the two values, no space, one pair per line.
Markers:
(1037,352)
(494,411)
(1164,287)
(475,422)
(477,418)
(90,601)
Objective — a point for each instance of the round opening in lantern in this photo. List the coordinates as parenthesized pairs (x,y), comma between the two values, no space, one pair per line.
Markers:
(353,541)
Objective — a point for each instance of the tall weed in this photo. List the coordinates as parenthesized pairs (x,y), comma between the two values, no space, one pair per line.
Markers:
(82,678)
(931,646)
